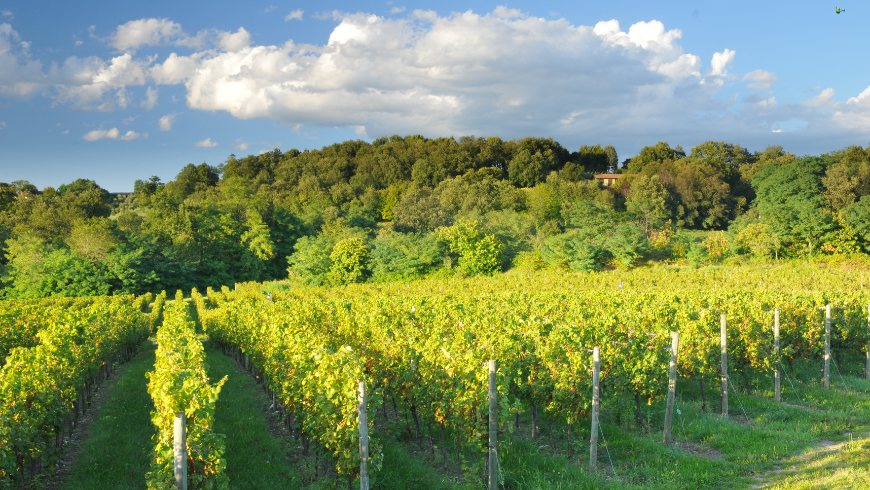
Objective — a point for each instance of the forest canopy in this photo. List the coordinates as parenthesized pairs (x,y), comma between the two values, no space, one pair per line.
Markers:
(405,207)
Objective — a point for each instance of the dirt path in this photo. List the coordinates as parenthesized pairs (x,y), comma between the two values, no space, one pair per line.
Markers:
(821,450)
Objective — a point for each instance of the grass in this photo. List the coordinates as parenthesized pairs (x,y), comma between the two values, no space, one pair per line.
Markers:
(255,459)
(710,451)
(802,443)
(117,452)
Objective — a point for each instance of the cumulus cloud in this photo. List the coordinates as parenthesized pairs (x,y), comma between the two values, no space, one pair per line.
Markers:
(165,122)
(820,100)
(206,143)
(229,41)
(149,32)
(113,134)
(720,62)
(93,84)
(243,145)
(503,72)
(762,80)
(150,99)
(20,76)
(294,15)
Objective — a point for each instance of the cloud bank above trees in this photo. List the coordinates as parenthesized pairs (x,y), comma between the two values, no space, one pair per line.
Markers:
(500,73)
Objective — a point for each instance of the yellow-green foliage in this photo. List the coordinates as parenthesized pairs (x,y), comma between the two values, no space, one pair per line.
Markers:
(179,383)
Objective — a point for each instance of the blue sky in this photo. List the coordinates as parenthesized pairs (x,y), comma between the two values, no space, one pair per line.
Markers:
(118,93)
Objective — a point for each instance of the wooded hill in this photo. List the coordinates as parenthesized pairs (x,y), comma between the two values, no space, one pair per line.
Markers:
(400,208)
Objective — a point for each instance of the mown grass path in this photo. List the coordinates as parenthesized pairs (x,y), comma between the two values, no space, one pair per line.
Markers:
(116,453)
(255,459)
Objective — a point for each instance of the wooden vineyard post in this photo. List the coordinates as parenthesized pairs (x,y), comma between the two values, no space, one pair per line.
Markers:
(492,483)
(672,385)
(593,443)
(180,449)
(724,344)
(363,438)
(776,390)
(828,346)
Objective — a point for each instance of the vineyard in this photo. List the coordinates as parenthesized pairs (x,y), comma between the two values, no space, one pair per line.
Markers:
(411,363)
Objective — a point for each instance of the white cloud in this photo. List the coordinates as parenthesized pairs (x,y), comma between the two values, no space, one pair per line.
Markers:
(270,8)
(820,100)
(2,125)
(130,119)
(132,135)
(502,73)
(85,82)
(503,12)
(720,62)
(863,99)
(165,122)
(762,79)
(229,41)
(149,32)
(7,13)
(98,134)
(397,10)
(20,77)
(150,99)
(243,145)
(114,134)
(66,131)
(206,143)
(175,69)
(294,15)
(79,42)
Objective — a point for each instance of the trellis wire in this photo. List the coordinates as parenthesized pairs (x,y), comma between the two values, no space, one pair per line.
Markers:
(738,397)
(607,448)
(798,395)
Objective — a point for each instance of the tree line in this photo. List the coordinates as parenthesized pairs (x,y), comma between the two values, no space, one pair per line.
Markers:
(405,207)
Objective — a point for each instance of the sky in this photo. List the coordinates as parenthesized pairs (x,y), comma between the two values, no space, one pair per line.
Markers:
(116,92)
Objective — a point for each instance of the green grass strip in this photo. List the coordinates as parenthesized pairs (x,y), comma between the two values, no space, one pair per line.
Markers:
(255,459)
(118,449)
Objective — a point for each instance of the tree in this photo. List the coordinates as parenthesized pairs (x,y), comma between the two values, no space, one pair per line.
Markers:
(756,238)
(812,223)
(349,257)
(527,169)
(628,244)
(593,159)
(654,154)
(857,216)
(612,159)
(400,256)
(649,202)
(475,252)
(728,158)
(419,211)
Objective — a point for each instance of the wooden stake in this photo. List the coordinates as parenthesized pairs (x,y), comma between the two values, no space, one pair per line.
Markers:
(867,368)
(672,385)
(776,389)
(363,438)
(827,346)
(724,344)
(492,483)
(593,443)
(180,449)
